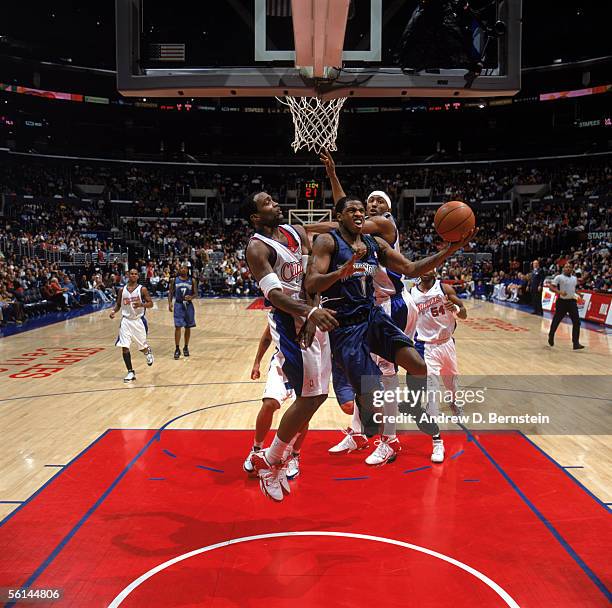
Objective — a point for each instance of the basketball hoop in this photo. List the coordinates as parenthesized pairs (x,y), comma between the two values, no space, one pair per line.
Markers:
(315,121)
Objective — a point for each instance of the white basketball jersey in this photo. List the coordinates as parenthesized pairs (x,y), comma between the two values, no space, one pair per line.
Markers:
(127,303)
(385,284)
(434,323)
(288,265)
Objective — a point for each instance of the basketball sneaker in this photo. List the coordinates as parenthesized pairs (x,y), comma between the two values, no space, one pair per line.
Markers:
(131,376)
(352,442)
(150,357)
(177,353)
(437,454)
(293,466)
(272,478)
(247,466)
(386,451)
(186,351)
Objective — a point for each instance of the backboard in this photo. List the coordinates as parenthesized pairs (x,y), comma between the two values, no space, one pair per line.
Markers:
(325,48)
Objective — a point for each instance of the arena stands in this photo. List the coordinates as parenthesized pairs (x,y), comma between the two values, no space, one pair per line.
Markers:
(68,226)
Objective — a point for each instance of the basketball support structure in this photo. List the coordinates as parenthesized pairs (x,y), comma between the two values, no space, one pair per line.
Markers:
(310,215)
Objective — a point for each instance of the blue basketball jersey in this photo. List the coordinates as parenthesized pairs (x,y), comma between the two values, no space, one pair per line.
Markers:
(182,288)
(355,294)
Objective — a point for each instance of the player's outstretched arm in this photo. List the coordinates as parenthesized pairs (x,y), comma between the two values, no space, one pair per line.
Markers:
(258,261)
(330,167)
(380,226)
(264,344)
(453,300)
(398,263)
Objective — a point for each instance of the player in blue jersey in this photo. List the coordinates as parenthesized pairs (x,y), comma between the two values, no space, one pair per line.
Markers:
(183,290)
(342,268)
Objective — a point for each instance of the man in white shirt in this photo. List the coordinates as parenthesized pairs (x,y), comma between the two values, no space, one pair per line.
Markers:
(564,285)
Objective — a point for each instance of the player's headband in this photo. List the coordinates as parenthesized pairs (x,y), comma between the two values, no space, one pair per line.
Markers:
(382,195)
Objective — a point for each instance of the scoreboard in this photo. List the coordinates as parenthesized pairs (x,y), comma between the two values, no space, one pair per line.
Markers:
(311,190)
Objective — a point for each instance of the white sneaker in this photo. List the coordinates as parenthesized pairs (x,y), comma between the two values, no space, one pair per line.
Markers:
(247,465)
(131,376)
(352,442)
(150,357)
(292,467)
(386,451)
(438,451)
(270,476)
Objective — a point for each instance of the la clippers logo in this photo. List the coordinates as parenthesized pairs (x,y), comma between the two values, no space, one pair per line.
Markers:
(290,271)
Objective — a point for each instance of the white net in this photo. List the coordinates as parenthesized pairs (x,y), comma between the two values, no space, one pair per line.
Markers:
(315,121)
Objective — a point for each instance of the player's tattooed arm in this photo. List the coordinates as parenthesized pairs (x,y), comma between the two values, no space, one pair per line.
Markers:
(264,344)
(257,255)
(453,300)
(171,295)
(398,263)
(330,167)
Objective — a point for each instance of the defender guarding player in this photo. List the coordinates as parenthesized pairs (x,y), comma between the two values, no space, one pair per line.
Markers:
(184,291)
(276,255)
(132,300)
(437,304)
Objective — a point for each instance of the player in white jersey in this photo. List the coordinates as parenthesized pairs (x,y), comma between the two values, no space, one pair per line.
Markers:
(132,300)
(276,256)
(396,301)
(438,307)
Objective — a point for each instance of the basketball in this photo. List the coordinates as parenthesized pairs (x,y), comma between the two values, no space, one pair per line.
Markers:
(453,220)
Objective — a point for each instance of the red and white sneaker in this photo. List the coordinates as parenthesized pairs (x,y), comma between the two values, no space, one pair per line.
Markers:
(386,451)
(272,478)
(352,442)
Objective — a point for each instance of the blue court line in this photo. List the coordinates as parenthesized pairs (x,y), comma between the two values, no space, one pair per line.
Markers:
(569,475)
(471,480)
(568,548)
(157,478)
(62,470)
(349,478)
(169,453)
(201,466)
(59,466)
(417,469)
(156,437)
(11,502)
(573,467)
(457,454)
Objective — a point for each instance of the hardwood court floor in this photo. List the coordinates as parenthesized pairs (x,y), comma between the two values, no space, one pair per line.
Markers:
(62,386)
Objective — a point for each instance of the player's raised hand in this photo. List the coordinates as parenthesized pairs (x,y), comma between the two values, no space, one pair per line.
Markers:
(465,240)
(330,166)
(324,319)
